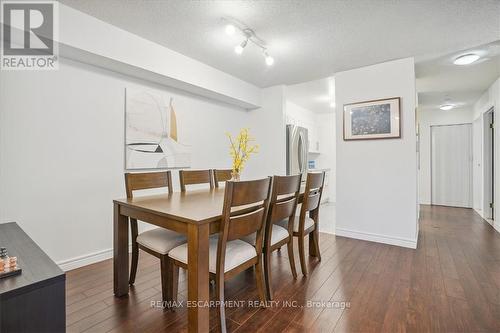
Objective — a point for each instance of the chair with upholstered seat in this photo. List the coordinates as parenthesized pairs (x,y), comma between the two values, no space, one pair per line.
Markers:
(222,176)
(282,205)
(157,241)
(244,212)
(304,225)
(193,177)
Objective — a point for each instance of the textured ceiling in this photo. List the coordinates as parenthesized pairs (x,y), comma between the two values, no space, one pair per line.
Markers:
(308,39)
(439,79)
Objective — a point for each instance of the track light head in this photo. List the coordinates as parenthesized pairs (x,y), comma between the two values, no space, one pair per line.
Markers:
(239,48)
(230,29)
(269,59)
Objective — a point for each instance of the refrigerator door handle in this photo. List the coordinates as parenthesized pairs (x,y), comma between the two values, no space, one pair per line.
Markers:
(300,152)
(304,155)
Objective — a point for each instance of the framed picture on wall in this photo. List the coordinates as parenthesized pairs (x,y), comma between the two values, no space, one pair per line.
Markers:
(377,119)
(152,128)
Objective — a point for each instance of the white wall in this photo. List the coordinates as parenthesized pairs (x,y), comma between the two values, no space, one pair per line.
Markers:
(326,159)
(299,116)
(491,98)
(62,151)
(268,127)
(426,119)
(87,39)
(377,179)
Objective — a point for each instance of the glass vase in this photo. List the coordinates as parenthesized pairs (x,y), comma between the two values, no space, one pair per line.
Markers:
(235,175)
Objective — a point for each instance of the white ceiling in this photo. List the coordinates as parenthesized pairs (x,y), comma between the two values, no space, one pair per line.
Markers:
(438,78)
(308,39)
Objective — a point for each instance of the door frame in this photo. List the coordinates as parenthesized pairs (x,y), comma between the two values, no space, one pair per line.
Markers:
(488,165)
(471,162)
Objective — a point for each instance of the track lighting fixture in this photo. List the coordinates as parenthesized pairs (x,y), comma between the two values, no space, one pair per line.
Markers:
(233,27)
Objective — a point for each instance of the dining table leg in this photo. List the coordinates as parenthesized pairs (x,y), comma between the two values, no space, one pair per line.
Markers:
(120,252)
(198,278)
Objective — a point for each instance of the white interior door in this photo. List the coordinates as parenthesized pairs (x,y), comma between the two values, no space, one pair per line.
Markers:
(452,165)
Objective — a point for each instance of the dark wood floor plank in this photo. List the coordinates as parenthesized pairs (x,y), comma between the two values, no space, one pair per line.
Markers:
(338,288)
(473,291)
(309,285)
(367,296)
(340,301)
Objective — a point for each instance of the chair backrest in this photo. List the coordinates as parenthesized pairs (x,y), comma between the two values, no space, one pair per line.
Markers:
(245,210)
(283,203)
(147,180)
(191,177)
(222,176)
(312,194)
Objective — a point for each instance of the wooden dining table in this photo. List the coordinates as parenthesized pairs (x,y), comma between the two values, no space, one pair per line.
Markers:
(195,214)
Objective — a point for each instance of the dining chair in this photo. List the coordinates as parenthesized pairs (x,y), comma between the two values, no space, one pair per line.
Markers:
(192,177)
(157,241)
(244,212)
(282,205)
(222,176)
(304,225)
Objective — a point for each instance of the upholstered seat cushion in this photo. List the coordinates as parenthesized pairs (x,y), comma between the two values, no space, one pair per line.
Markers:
(160,240)
(279,233)
(237,252)
(308,223)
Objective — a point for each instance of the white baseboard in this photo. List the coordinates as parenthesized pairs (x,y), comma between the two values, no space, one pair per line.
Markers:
(409,243)
(87,259)
(496,225)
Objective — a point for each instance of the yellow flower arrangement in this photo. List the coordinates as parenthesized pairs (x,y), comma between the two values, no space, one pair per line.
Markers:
(240,150)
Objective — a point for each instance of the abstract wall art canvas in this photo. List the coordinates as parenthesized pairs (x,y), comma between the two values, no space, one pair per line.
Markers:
(152,138)
(377,119)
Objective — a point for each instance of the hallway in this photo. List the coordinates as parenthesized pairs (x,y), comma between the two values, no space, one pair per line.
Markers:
(461,284)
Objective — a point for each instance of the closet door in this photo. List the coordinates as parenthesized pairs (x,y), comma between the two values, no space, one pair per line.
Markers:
(452,165)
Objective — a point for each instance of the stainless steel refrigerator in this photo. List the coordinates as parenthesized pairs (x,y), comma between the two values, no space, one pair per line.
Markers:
(297,148)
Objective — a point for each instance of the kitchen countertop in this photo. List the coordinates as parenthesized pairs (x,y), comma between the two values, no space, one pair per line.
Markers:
(319,170)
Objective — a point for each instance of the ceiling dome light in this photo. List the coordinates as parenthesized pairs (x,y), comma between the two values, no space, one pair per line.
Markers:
(446,107)
(466,59)
(230,29)
(239,48)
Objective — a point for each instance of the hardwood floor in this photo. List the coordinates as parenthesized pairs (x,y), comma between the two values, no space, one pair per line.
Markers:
(451,283)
